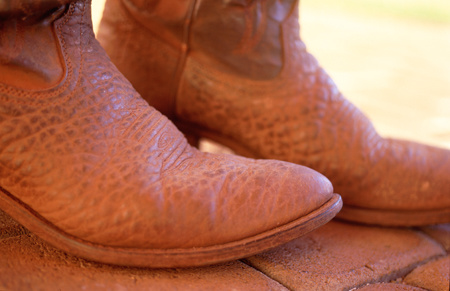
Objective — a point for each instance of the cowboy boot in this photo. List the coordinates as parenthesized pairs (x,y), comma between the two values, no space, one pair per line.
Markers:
(237,72)
(90,167)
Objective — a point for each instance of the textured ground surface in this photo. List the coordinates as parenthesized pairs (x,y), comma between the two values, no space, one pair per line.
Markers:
(338,256)
(398,73)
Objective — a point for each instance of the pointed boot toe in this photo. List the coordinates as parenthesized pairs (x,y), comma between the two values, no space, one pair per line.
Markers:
(239,74)
(87,165)
(238,204)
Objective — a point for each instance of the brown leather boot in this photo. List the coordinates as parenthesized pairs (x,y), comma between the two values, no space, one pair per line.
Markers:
(237,72)
(28,8)
(89,166)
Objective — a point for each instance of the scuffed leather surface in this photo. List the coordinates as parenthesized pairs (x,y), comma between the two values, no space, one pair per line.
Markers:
(20,41)
(93,159)
(157,57)
(12,8)
(298,115)
(239,35)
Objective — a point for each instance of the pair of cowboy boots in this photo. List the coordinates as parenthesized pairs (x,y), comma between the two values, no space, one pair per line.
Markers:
(89,166)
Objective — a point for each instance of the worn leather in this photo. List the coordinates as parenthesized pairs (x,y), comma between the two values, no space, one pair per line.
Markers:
(241,74)
(28,8)
(90,157)
(20,41)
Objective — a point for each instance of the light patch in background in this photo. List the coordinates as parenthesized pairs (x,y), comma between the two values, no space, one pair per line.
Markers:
(97,12)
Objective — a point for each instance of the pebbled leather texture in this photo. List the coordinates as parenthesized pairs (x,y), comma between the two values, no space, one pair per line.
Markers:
(245,77)
(92,158)
(21,40)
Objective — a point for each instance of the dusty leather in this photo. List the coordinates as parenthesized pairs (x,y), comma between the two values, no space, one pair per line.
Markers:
(241,72)
(28,8)
(93,159)
(20,42)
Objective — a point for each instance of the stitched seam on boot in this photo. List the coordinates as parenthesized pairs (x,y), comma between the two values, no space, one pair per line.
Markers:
(37,96)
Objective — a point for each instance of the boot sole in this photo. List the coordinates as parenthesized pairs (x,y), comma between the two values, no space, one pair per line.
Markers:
(394,218)
(369,216)
(167,258)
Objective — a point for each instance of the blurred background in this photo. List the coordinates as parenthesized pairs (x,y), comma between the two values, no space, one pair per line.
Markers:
(391,58)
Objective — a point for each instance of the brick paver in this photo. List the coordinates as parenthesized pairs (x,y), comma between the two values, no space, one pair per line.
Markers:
(8,227)
(338,256)
(341,256)
(440,233)
(27,263)
(431,276)
(389,287)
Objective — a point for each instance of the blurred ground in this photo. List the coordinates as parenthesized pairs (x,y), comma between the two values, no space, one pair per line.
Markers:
(390,58)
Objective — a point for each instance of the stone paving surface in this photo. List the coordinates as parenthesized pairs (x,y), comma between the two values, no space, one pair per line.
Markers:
(389,287)
(338,256)
(27,263)
(341,256)
(433,275)
(440,233)
(8,227)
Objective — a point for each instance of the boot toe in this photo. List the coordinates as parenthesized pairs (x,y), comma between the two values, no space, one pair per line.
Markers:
(233,199)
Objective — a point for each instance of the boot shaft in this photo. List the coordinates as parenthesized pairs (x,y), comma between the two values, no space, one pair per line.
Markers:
(31,56)
(245,37)
(20,8)
(249,39)
(239,37)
